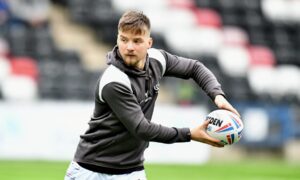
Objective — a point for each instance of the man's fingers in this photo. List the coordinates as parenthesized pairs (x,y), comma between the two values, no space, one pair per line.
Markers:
(205,124)
(200,134)
(235,112)
(215,143)
(214,140)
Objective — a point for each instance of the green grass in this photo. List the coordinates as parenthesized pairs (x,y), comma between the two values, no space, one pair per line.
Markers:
(32,170)
(253,170)
(239,171)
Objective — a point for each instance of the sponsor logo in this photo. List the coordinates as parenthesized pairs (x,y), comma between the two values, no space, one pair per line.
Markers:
(156,87)
(215,121)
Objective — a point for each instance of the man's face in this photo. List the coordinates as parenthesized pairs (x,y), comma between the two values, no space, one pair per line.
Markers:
(133,47)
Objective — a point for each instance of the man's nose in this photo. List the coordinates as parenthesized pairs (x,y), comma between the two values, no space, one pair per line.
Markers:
(130,46)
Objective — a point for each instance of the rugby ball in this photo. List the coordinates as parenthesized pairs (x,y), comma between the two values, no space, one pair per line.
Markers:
(225,126)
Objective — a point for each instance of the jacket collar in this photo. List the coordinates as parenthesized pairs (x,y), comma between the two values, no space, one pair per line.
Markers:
(114,58)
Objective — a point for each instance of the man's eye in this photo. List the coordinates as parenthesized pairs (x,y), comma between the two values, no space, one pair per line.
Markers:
(123,40)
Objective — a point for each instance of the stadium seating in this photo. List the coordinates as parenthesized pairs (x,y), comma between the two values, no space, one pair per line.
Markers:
(19,88)
(287,82)
(261,85)
(185,4)
(234,60)
(4,49)
(170,19)
(208,17)
(200,40)
(24,66)
(5,69)
(281,10)
(16,37)
(240,34)
(234,36)
(261,56)
(237,34)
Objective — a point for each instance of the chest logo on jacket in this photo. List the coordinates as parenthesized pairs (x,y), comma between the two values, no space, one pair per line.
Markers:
(156,88)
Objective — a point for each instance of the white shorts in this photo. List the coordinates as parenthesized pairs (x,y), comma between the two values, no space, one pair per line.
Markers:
(76,172)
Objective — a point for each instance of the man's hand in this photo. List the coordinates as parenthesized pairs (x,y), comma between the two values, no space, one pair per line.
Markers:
(222,103)
(199,134)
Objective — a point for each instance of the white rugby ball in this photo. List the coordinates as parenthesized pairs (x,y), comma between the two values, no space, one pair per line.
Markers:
(225,126)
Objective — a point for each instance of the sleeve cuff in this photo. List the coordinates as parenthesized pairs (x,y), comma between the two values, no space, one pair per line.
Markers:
(215,93)
(185,135)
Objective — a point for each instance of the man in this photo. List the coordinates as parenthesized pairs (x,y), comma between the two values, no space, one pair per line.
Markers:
(121,128)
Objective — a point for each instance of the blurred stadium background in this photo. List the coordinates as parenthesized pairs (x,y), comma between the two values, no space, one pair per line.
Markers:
(52,52)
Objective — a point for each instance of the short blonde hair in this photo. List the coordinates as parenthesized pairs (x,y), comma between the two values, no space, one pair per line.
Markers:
(134,21)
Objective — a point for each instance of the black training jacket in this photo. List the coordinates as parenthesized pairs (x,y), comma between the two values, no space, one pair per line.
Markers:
(121,128)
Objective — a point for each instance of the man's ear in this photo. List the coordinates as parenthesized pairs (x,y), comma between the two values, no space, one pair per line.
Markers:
(150,41)
(117,40)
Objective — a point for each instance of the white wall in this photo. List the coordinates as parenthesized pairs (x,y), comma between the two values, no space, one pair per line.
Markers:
(50,130)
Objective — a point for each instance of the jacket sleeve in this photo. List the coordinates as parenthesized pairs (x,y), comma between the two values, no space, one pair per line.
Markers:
(126,108)
(188,68)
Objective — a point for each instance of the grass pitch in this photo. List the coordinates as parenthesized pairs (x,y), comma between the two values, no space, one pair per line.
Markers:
(246,170)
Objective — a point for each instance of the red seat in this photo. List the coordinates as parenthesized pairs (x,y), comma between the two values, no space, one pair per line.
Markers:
(186,4)
(24,66)
(208,17)
(235,36)
(261,56)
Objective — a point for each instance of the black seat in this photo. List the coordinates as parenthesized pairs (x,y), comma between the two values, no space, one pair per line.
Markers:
(257,36)
(17,39)
(50,83)
(231,18)
(253,19)
(238,89)
(286,55)
(204,3)
(78,10)
(281,37)
(252,5)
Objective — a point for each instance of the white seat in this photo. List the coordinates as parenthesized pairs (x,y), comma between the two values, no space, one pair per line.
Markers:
(19,88)
(123,5)
(262,79)
(295,10)
(164,21)
(282,10)
(234,60)
(195,41)
(234,36)
(5,68)
(274,10)
(287,80)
